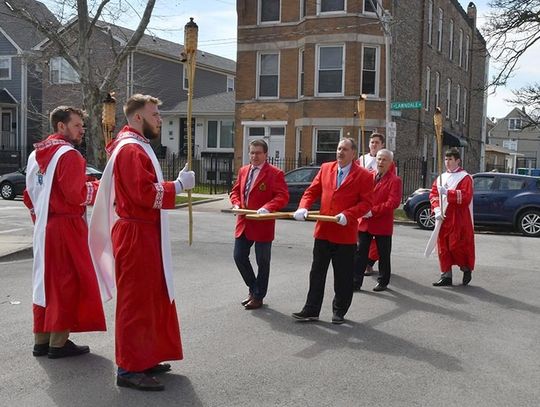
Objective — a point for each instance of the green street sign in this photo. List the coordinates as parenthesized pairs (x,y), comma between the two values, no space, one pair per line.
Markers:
(406,105)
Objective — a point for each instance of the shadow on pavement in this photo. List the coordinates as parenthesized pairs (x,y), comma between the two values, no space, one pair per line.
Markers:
(506,302)
(90,380)
(355,336)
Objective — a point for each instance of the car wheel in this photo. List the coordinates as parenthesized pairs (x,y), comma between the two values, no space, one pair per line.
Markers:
(424,218)
(7,191)
(529,223)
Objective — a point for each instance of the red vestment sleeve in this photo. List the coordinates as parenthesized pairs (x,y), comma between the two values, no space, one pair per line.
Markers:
(463,194)
(70,176)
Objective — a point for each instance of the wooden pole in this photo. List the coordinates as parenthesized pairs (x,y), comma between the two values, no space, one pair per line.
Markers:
(361,107)
(438,123)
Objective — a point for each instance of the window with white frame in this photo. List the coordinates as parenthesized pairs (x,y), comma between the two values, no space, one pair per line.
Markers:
(467,49)
(448,97)
(62,72)
(220,134)
(370,70)
(451,40)
(514,124)
(328,6)
(437,88)
(370,6)
(5,67)
(327,141)
(230,83)
(268,77)
(440,30)
(185,82)
(330,75)
(464,105)
(301,72)
(303,8)
(460,60)
(458,99)
(430,22)
(428,90)
(269,11)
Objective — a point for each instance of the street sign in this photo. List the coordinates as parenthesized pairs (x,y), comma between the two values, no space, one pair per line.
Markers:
(406,105)
(395,113)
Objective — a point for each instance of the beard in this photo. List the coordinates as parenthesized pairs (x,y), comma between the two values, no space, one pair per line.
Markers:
(149,132)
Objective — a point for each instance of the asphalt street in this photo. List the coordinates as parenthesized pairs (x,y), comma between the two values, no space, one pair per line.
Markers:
(412,345)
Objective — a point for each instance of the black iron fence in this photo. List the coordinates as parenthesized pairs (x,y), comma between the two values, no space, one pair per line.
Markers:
(413,172)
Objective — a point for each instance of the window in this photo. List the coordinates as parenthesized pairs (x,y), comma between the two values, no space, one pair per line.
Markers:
(370,70)
(458,97)
(269,11)
(467,45)
(331,5)
(451,40)
(460,47)
(437,88)
(448,97)
(185,82)
(514,124)
(230,83)
(268,83)
(62,72)
(220,134)
(440,31)
(483,183)
(303,8)
(464,105)
(428,90)
(430,22)
(301,73)
(5,67)
(369,6)
(327,142)
(330,70)
(511,184)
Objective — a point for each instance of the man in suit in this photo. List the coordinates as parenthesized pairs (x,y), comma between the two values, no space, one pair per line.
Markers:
(378,223)
(260,186)
(345,191)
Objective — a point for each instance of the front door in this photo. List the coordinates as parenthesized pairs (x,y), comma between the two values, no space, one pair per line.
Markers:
(274,137)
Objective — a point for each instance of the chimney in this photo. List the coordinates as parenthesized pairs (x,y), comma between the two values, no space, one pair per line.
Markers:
(471,12)
(523,109)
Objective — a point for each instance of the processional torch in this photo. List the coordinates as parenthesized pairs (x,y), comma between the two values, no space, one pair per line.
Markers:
(108,117)
(361,107)
(438,122)
(191,32)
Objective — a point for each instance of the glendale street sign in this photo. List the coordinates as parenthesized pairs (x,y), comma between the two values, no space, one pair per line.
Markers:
(406,105)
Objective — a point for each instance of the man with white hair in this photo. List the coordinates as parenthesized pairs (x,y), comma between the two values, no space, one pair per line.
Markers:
(378,223)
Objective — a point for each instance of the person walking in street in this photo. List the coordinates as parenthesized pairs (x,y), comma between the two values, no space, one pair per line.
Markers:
(259,186)
(136,247)
(345,190)
(66,295)
(453,191)
(378,224)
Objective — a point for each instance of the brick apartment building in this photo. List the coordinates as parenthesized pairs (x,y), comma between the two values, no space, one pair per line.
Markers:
(302,65)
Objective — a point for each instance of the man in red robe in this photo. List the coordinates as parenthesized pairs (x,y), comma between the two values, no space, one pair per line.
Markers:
(451,200)
(260,186)
(345,190)
(134,194)
(65,288)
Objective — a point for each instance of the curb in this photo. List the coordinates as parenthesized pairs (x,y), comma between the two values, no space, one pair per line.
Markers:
(21,254)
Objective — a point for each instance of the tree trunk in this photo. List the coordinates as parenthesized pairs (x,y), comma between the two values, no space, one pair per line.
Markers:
(95,148)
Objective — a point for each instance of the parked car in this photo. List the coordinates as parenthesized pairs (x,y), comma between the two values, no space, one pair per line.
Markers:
(499,199)
(14,183)
(297,181)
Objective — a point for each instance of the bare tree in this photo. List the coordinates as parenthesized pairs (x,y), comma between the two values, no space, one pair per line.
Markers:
(72,38)
(529,96)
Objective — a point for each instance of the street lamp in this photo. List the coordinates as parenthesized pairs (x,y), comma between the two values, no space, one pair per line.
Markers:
(361,107)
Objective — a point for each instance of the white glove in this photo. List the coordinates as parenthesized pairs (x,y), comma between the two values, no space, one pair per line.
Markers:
(443,190)
(262,211)
(300,214)
(342,219)
(186,179)
(236,207)
(438,213)
(368,215)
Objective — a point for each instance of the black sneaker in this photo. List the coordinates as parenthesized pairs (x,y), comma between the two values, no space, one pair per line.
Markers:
(40,350)
(337,319)
(69,349)
(303,316)
(467,277)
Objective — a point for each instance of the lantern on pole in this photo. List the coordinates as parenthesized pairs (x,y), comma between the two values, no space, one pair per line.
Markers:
(361,107)
(438,123)
(191,33)
(108,117)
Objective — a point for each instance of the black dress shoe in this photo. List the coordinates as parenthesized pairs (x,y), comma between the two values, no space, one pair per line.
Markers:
(379,287)
(303,316)
(254,303)
(158,369)
(444,281)
(467,277)
(248,299)
(69,349)
(139,381)
(40,350)
(337,319)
